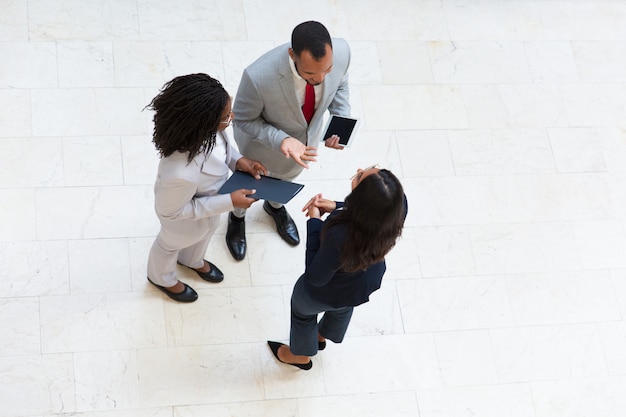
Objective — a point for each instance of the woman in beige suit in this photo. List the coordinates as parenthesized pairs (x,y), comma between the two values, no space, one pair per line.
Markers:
(191,113)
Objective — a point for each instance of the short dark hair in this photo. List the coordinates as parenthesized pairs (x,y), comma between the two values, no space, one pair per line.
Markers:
(311,36)
(373,215)
(187,114)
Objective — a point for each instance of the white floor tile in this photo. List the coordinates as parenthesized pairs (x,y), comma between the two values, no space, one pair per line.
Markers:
(14,21)
(380,364)
(444,251)
(20,155)
(562,297)
(613,336)
(228,315)
(551,61)
(77,20)
(17,222)
(36,384)
(583,20)
(400,404)
(199,375)
(92,272)
(484,20)
(533,354)
(33,65)
(437,304)
(392,107)
(35,268)
(81,323)
(106,380)
(500,151)
(398,67)
(579,397)
(577,150)
(489,400)
(20,326)
(202,21)
(148,64)
(478,62)
(597,104)
(17,121)
(86,64)
(425,153)
(267,408)
(95,111)
(92,161)
(530,247)
(466,358)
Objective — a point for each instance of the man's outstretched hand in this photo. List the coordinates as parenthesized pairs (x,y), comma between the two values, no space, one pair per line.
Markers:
(299,152)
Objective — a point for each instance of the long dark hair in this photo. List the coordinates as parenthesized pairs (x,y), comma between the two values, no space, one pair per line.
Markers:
(187,114)
(373,214)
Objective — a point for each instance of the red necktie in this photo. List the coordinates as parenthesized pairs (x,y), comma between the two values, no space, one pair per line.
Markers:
(308,108)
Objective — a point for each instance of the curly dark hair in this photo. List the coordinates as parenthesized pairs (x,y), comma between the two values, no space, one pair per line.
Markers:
(187,114)
(373,214)
(311,36)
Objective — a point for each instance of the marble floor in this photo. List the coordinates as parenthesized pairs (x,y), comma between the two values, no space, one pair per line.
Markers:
(506,296)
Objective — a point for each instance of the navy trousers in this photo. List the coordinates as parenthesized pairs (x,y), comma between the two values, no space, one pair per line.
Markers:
(304,325)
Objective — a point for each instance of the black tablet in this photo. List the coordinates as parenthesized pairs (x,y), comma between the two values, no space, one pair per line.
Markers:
(344,127)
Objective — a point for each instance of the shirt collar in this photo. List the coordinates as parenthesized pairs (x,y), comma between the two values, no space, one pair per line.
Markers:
(292,65)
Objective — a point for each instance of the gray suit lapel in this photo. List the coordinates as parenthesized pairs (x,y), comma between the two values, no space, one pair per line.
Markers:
(289,92)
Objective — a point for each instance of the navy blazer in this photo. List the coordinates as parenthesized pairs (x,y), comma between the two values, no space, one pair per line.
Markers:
(323,279)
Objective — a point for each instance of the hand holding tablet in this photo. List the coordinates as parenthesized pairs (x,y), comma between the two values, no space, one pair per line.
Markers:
(343,127)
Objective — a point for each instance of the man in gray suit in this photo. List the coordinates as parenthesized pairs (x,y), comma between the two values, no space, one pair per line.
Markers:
(279,109)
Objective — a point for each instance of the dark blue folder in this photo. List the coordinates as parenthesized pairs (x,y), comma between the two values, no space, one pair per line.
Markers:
(267,188)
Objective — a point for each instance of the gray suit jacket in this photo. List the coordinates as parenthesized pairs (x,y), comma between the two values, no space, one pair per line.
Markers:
(266,107)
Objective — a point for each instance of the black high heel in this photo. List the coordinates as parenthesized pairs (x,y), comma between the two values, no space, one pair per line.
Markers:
(274,346)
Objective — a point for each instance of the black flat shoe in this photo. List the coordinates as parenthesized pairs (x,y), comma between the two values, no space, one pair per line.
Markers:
(321,345)
(214,274)
(284,224)
(236,236)
(188,295)
(274,346)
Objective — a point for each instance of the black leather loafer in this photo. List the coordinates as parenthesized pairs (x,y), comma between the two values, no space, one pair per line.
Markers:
(188,295)
(274,346)
(321,345)
(284,224)
(236,236)
(214,274)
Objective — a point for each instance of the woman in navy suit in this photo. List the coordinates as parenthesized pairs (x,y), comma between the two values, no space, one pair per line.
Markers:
(344,261)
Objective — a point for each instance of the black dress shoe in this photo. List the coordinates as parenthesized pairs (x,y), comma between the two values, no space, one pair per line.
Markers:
(276,345)
(236,236)
(284,224)
(214,274)
(321,345)
(188,295)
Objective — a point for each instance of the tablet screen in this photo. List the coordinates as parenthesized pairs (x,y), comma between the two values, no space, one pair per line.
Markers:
(344,127)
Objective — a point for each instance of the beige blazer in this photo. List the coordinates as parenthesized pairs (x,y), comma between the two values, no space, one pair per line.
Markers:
(186,193)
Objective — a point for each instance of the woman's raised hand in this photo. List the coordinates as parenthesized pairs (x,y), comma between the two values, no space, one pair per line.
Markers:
(318,206)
